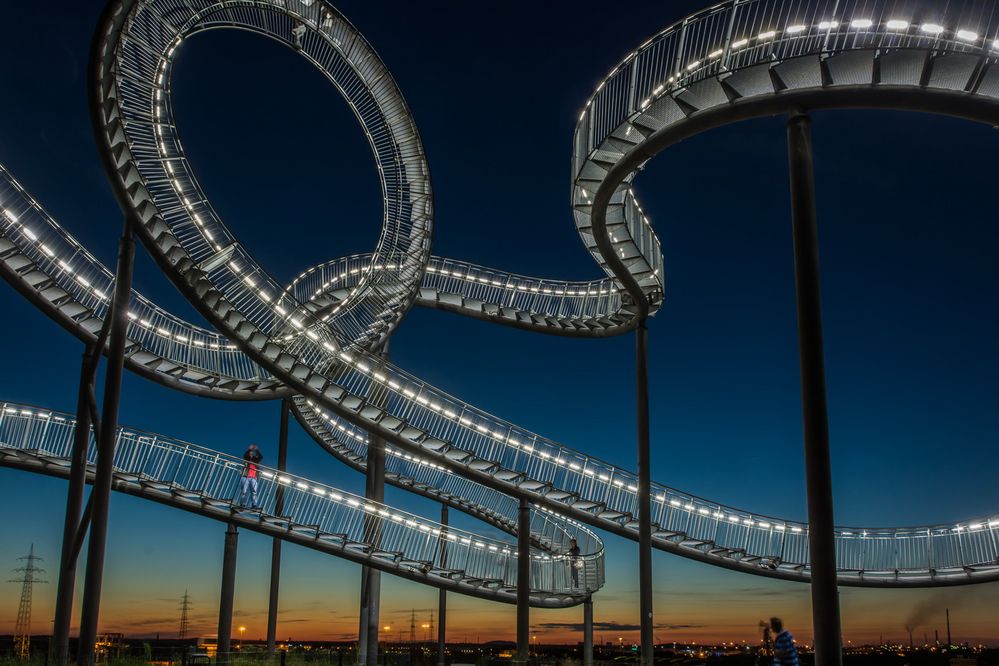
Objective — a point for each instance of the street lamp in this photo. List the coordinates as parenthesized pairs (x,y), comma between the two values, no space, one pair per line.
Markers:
(241,630)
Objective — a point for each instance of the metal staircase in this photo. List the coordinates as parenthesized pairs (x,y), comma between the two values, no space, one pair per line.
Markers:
(314,515)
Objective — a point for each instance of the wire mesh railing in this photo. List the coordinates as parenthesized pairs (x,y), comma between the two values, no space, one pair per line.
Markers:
(724,39)
(491,289)
(63,270)
(144,70)
(736,34)
(336,517)
(553,531)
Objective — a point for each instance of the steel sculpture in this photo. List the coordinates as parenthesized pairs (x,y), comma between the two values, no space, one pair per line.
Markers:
(315,341)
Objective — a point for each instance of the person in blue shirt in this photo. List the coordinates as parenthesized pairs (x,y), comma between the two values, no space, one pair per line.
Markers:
(785,652)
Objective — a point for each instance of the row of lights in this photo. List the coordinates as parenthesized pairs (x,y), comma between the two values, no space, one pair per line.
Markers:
(469,276)
(350,432)
(32,236)
(407,520)
(732,518)
(435,530)
(546,456)
(894,25)
(472,277)
(101,294)
(330,493)
(178,186)
(542,454)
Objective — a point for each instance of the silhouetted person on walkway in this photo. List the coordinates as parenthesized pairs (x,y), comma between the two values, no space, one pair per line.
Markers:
(785,653)
(250,472)
(574,562)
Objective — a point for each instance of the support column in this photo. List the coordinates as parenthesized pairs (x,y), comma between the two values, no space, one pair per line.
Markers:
(228,592)
(371,581)
(821,541)
(644,493)
(374,610)
(272,604)
(588,631)
(100,495)
(442,597)
(74,506)
(524,582)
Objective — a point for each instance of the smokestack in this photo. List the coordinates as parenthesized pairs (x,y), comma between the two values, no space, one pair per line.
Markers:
(948,629)
(936,637)
(910,639)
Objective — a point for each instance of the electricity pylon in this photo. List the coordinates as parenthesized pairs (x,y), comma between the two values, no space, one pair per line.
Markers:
(22,630)
(185,606)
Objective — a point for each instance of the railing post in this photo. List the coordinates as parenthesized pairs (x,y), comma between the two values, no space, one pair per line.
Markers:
(224,645)
(101,493)
(523,581)
(644,494)
(74,504)
(442,596)
(633,86)
(821,534)
(272,603)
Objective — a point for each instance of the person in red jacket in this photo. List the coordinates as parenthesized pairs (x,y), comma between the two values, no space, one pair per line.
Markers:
(250,473)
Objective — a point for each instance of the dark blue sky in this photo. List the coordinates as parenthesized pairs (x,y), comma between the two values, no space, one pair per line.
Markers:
(906,218)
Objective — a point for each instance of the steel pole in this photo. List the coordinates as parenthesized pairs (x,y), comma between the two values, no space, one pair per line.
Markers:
(362,620)
(523,581)
(374,597)
(74,504)
(644,492)
(272,603)
(588,631)
(821,538)
(442,597)
(224,646)
(371,580)
(100,494)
